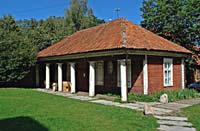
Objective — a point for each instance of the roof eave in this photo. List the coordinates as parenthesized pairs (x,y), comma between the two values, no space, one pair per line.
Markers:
(113,52)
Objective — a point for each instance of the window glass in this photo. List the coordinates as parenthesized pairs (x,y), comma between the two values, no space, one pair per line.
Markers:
(99,74)
(168,71)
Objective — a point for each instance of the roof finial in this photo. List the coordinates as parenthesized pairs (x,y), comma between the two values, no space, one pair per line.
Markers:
(117,10)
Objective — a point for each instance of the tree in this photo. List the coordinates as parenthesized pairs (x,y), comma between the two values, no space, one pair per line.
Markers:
(175,20)
(17,55)
(44,33)
(80,16)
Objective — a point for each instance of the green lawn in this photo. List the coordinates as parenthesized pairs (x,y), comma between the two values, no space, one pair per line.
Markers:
(29,110)
(193,114)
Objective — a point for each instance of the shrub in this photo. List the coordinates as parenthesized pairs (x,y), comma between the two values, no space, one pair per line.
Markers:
(172,96)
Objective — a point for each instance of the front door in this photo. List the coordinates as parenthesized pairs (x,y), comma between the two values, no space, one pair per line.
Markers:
(82,76)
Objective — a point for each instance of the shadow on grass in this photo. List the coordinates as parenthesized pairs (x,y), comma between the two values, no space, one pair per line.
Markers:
(21,124)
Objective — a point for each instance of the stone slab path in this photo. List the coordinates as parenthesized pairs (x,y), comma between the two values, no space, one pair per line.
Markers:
(162,112)
(175,123)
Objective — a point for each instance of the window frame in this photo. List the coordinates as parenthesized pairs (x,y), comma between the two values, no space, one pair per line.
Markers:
(170,68)
(99,82)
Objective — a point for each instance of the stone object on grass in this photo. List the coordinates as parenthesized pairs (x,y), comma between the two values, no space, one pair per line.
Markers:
(148,110)
(164,98)
(55,86)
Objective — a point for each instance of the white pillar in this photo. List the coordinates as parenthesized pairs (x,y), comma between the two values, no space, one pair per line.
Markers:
(145,75)
(47,76)
(123,78)
(73,77)
(182,74)
(37,74)
(92,79)
(59,76)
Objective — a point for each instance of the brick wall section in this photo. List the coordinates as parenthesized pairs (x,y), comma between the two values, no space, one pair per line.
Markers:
(176,74)
(155,74)
(137,75)
(110,80)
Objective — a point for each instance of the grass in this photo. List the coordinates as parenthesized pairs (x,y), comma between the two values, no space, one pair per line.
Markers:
(172,96)
(26,109)
(193,114)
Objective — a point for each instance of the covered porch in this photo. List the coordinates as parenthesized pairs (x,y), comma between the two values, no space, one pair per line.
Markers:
(114,74)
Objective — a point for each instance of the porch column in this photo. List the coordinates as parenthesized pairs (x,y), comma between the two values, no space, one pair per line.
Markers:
(123,78)
(73,77)
(37,74)
(92,79)
(47,76)
(182,74)
(145,75)
(59,76)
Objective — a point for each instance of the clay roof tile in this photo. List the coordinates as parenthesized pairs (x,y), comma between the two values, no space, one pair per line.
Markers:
(110,36)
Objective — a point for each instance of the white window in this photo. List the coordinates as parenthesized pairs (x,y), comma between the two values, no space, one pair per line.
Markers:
(168,71)
(99,74)
(128,74)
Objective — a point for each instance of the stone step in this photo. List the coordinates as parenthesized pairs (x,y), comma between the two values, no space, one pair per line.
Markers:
(190,101)
(174,123)
(172,106)
(175,128)
(131,106)
(161,111)
(135,105)
(105,102)
(172,118)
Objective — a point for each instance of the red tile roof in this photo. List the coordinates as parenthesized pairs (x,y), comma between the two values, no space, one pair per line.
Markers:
(109,36)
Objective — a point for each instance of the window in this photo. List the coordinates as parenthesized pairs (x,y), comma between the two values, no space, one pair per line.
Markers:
(110,67)
(129,73)
(198,74)
(168,71)
(128,68)
(99,75)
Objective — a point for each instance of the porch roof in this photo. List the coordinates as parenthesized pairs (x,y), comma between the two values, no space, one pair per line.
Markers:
(117,34)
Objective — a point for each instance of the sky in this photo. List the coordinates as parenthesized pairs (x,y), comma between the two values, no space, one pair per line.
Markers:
(41,9)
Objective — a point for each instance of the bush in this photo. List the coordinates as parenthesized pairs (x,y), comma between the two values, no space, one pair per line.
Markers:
(178,94)
(172,96)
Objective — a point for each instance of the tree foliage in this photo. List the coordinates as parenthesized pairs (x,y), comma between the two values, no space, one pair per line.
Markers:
(80,16)
(43,33)
(176,20)
(20,40)
(17,54)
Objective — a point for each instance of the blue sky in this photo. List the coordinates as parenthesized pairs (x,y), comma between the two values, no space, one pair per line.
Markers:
(41,9)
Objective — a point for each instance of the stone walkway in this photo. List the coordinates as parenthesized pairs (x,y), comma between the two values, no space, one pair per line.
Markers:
(162,112)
